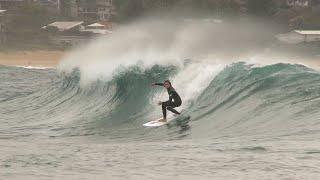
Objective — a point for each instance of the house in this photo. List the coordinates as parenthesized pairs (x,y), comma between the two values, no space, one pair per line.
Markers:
(299,3)
(105,9)
(66,33)
(73,8)
(309,35)
(68,8)
(63,26)
(53,6)
(156,4)
(87,9)
(300,36)
(12,5)
(72,33)
(98,10)
(98,29)
(3,35)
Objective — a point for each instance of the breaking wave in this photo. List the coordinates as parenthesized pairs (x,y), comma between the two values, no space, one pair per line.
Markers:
(223,101)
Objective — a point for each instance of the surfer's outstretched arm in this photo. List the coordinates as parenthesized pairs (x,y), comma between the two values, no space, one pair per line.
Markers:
(157,84)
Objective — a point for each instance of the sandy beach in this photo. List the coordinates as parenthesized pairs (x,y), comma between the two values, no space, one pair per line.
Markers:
(31,58)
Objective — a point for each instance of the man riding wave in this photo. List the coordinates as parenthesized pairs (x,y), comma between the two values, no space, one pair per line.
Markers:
(174,100)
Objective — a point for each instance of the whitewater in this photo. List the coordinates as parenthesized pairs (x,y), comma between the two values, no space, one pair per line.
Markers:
(250,118)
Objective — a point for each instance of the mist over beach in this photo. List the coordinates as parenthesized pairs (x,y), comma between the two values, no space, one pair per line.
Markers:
(81,81)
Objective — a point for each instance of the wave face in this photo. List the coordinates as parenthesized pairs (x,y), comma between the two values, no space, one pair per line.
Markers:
(237,100)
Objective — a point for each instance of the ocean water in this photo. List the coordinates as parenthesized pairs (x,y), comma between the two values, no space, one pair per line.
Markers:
(247,122)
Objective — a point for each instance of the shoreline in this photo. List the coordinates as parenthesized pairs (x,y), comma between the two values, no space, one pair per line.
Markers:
(35,58)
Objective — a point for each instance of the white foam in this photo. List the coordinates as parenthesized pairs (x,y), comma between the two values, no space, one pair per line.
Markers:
(147,43)
(35,67)
(191,81)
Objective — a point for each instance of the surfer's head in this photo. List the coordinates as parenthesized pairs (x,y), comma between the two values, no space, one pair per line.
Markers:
(167,84)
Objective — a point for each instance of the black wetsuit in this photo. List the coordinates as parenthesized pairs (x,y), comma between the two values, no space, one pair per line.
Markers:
(174,101)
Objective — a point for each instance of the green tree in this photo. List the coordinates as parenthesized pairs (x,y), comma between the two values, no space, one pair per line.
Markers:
(31,16)
(261,7)
(26,24)
(128,9)
(65,7)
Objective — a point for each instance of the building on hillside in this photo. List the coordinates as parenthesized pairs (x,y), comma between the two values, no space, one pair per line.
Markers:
(72,33)
(105,9)
(12,5)
(66,33)
(53,6)
(98,29)
(242,4)
(299,3)
(87,9)
(105,25)
(73,8)
(68,8)
(158,3)
(3,33)
(97,10)
(63,26)
(300,36)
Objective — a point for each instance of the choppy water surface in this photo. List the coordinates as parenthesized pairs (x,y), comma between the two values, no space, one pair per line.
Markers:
(246,123)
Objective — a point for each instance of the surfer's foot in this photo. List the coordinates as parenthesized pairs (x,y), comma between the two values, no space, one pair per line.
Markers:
(163,120)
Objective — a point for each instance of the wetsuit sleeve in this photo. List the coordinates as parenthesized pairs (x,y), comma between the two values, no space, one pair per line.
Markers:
(159,84)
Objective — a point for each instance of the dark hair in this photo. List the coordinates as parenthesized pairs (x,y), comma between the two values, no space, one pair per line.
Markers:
(167,81)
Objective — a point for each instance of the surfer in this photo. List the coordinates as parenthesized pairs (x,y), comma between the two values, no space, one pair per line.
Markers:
(174,100)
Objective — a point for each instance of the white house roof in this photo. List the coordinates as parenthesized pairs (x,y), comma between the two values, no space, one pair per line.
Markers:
(66,25)
(96,25)
(308,32)
(297,36)
(98,31)
(291,37)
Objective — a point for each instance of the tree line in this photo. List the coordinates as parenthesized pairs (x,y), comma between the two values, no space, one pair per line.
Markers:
(127,9)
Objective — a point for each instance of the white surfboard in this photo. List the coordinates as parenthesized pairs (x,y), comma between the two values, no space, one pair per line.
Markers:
(158,123)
